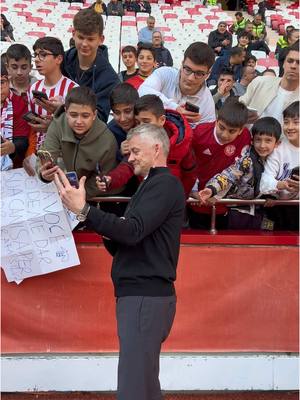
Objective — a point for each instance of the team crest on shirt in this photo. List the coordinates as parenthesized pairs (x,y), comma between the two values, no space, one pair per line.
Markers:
(229,150)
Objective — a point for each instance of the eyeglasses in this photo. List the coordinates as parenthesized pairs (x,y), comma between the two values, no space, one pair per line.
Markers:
(197,74)
(42,55)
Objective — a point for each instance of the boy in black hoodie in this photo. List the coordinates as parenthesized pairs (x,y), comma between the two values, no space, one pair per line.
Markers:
(87,64)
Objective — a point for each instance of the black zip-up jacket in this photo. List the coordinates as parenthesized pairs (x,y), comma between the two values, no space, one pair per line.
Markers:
(145,242)
(101,77)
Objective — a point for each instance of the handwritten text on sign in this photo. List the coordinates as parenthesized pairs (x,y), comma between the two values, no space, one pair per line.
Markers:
(35,233)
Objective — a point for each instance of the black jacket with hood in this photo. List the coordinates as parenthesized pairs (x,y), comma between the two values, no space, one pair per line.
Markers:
(100,77)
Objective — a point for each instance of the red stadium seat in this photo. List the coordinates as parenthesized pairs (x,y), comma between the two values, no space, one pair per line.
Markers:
(36,33)
(44,11)
(164,28)
(68,16)
(211,17)
(205,26)
(163,8)
(23,13)
(193,11)
(185,21)
(20,5)
(129,14)
(34,19)
(74,8)
(170,16)
(141,19)
(267,62)
(169,39)
(46,25)
(128,23)
(4,9)
(50,3)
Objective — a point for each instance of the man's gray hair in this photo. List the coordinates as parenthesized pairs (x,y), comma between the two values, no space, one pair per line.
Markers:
(152,132)
(151,18)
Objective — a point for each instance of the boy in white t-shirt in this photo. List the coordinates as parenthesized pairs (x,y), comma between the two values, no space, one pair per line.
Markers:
(281,175)
(48,57)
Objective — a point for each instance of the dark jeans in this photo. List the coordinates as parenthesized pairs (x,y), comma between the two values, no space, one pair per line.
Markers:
(203,221)
(258,45)
(143,324)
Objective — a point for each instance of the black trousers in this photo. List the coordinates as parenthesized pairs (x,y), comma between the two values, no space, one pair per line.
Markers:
(143,324)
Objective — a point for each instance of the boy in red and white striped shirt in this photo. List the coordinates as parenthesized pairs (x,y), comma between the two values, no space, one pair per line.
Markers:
(48,56)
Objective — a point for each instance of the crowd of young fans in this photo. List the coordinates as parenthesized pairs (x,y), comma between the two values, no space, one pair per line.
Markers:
(238,138)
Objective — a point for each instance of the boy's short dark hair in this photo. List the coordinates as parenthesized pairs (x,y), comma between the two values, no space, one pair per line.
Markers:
(145,46)
(227,71)
(238,14)
(236,51)
(150,102)
(18,51)
(123,93)
(233,113)
(129,49)
(87,21)
(200,53)
(250,57)
(292,111)
(81,95)
(267,126)
(244,34)
(51,44)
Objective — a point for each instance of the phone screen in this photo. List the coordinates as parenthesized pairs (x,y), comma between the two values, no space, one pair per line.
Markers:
(73,179)
(191,107)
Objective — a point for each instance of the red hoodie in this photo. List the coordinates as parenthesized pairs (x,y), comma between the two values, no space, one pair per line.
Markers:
(181,160)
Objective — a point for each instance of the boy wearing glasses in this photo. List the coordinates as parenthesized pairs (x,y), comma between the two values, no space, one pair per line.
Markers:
(176,88)
(48,56)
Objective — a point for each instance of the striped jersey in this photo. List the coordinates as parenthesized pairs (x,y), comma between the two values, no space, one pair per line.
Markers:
(61,89)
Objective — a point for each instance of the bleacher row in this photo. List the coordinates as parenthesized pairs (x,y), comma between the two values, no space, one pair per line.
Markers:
(181,25)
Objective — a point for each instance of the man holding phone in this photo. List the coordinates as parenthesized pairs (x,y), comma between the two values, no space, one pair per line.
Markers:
(78,138)
(185,90)
(145,246)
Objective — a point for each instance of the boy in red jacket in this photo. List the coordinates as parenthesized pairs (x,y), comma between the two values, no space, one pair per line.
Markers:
(181,160)
(217,145)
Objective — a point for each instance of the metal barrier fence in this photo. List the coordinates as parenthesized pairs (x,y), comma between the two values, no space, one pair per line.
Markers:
(213,204)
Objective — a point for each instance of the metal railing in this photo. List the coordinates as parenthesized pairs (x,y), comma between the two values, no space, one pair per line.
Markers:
(213,204)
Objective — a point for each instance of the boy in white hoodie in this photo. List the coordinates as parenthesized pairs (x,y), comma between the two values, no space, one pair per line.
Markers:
(281,174)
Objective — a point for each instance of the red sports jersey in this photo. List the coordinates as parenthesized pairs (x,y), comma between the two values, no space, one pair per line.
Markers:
(62,88)
(212,157)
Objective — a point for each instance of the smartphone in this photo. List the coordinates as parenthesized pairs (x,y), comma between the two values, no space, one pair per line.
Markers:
(73,179)
(295,171)
(101,175)
(191,107)
(45,156)
(29,117)
(39,95)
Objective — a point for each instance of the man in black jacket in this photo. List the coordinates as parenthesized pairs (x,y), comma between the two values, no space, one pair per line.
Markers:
(145,245)
(87,64)
(220,39)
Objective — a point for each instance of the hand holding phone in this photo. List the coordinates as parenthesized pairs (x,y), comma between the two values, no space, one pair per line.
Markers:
(191,107)
(101,176)
(37,94)
(30,117)
(45,157)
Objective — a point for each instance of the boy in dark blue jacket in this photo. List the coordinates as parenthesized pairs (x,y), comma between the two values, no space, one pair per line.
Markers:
(87,64)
